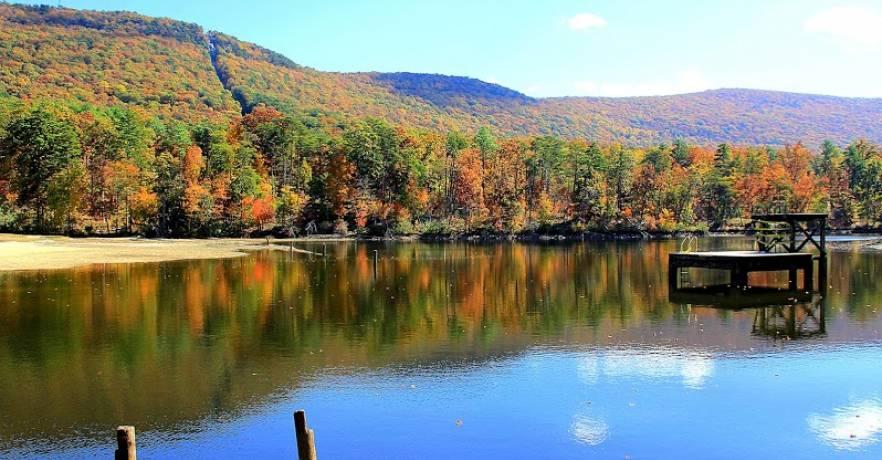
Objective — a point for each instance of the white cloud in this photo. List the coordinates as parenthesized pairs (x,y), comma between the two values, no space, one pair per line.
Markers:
(850,24)
(583,21)
(687,81)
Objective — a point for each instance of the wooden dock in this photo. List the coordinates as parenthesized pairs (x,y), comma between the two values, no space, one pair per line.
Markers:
(740,263)
(777,250)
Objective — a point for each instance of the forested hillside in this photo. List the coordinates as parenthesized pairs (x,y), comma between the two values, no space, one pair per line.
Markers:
(158,65)
(175,69)
(115,122)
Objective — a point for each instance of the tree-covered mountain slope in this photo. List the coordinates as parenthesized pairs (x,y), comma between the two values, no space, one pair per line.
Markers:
(175,69)
(159,65)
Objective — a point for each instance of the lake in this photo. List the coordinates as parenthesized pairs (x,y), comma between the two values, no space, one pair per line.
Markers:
(440,351)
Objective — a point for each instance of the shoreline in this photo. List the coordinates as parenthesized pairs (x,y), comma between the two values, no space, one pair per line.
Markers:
(20,252)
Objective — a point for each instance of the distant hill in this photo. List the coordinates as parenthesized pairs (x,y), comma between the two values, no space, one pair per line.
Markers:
(178,70)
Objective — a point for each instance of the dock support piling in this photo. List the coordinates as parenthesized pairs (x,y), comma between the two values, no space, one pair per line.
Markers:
(673,274)
(305,437)
(808,277)
(738,278)
(125,443)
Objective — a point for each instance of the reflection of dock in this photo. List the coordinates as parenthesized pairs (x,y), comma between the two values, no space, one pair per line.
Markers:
(801,321)
(788,314)
(727,297)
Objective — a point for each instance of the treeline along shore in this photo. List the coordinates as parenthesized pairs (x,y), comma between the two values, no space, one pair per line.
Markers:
(85,170)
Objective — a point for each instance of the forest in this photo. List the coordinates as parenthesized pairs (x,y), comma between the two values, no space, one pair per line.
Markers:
(116,170)
(117,123)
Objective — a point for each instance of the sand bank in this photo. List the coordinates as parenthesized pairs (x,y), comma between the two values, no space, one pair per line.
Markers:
(24,252)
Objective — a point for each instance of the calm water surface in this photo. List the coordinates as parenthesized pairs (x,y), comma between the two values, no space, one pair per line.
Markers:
(438,351)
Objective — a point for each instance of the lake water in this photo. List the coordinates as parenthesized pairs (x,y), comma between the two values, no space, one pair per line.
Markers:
(438,351)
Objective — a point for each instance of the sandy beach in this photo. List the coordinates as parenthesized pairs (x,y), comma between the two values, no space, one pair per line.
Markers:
(29,252)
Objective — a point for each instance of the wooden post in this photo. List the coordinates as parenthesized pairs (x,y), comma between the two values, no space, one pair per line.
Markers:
(305,437)
(673,275)
(808,276)
(291,248)
(125,443)
(738,278)
(325,249)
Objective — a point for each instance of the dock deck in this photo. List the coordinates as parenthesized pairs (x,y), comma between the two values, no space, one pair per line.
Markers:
(740,263)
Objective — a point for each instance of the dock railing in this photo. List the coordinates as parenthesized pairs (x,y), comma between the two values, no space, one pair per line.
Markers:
(770,236)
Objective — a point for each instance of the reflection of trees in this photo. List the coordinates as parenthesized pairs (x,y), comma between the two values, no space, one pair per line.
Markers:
(189,339)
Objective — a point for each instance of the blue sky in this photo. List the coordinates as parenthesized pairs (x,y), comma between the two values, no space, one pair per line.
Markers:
(567,47)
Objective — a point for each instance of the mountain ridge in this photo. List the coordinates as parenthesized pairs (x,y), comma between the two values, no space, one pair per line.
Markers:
(165,71)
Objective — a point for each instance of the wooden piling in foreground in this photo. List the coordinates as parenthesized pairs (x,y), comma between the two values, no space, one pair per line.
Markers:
(305,437)
(125,443)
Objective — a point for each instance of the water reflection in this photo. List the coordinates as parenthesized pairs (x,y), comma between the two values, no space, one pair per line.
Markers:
(777,314)
(851,427)
(798,321)
(589,431)
(180,349)
(693,368)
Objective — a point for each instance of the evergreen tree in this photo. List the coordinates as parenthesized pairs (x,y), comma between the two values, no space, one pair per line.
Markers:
(719,190)
(36,147)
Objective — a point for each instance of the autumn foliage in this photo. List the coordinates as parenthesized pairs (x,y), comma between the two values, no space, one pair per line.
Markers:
(183,132)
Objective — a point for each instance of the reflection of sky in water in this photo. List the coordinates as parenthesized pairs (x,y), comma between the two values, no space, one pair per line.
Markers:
(691,368)
(694,368)
(589,431)
(561,404)
(850,427)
